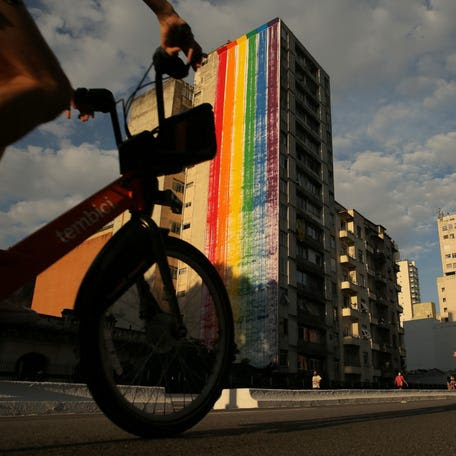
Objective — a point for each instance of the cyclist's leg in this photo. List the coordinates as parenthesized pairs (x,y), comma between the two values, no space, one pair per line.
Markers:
(33,87)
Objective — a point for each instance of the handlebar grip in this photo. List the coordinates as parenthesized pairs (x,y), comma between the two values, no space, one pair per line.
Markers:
(170,64)
(100,100)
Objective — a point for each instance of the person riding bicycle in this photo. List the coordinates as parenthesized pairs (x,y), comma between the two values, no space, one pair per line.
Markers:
(33,87)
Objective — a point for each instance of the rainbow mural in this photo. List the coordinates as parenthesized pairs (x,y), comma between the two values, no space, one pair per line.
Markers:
(242,234)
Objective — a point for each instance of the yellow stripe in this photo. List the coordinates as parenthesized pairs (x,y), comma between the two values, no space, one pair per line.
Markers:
(237,155)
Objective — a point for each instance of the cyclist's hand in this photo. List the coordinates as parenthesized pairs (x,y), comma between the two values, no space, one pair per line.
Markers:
(85,113)
(176,35)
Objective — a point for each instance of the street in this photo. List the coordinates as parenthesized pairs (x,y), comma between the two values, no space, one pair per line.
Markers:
(413,428)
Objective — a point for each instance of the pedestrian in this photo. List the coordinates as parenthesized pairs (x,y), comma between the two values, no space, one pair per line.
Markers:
(316,379)
(400,381)
(452,383)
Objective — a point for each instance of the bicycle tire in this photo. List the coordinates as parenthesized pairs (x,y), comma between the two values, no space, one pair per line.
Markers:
(131,357)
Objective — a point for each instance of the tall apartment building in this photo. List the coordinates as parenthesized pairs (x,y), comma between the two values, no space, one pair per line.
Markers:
(446,284)
(408,280)
(371,336)
(263,209)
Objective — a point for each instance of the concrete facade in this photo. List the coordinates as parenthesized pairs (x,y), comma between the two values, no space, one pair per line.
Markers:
(446,285)
(408,280)
(303,332)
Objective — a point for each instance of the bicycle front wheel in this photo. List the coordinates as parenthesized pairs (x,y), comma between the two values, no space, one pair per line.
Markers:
(149,373)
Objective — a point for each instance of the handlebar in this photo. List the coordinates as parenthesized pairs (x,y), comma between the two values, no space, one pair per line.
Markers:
(102,100)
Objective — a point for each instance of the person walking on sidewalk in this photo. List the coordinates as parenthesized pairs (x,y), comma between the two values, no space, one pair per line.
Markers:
(316,379)
(400,381)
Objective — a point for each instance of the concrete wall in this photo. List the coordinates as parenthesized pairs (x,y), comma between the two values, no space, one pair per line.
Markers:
(430,344)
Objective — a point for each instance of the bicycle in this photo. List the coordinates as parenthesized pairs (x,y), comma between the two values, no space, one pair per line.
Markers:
(153,361)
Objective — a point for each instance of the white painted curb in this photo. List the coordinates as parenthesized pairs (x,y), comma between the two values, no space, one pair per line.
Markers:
(239,398)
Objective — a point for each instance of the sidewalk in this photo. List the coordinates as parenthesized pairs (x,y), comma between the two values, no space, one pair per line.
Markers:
(42,398)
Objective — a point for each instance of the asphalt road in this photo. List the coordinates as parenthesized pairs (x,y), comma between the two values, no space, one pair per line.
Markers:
(414,428)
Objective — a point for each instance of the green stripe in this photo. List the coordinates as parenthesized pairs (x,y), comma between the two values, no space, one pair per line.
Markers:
(249,150)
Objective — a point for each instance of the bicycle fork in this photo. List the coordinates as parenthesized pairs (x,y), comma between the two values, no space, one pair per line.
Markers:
(146,296)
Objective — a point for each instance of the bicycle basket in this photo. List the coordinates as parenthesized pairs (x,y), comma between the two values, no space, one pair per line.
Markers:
(187,139)
(183,140)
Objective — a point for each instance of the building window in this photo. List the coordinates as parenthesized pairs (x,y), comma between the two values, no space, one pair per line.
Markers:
(283,239)
(186,226)
(178,186)
(175,228)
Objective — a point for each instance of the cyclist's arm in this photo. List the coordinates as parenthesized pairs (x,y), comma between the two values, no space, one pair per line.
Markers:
(33,87)
(174,37)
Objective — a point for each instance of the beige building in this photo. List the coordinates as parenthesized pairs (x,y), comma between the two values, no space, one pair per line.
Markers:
(407,279)
(371,335)
(446,285)
(424,310)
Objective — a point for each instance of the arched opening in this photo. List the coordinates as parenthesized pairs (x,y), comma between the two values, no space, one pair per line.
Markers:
(31,367)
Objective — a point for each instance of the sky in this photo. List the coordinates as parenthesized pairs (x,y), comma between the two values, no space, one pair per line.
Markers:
(392,66)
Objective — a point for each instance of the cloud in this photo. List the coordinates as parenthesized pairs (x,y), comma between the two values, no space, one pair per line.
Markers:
(443,97)
(37,184)
(438,154)
(399,193)
(24,217)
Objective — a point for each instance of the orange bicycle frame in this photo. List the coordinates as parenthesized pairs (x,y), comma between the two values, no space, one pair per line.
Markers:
(31,256)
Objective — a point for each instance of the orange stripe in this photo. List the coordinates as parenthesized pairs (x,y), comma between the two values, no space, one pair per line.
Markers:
(225,158)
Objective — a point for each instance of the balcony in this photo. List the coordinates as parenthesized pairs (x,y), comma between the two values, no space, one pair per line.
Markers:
(373,319)
(317,321)
(374,345)
(348,369)
(352,340)
(380,277)
(347,236)
(351,312)
(345,215)
(314,293)
(371,294)
(347,261)
(379,256)
(311,348)
(349,287)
